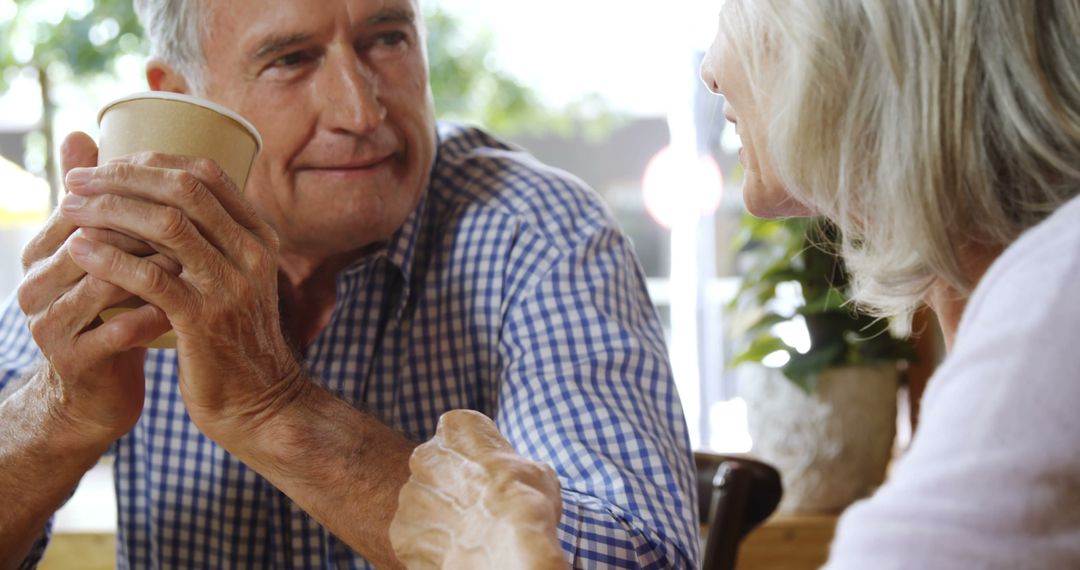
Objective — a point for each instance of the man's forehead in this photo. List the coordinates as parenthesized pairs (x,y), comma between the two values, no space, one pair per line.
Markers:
(209,6)
(245,18)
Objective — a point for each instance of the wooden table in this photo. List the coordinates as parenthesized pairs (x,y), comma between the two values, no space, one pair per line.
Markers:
(80,551)
(784,542)
(788,542)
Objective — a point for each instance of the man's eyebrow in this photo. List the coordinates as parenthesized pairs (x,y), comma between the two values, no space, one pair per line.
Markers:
(276,44)
(392,15)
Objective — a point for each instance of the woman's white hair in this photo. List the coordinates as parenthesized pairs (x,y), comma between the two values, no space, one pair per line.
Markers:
(173,27)
(921,127)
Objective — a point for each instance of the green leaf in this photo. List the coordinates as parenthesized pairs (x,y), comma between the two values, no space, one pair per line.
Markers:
(804,369)
(761,347)
(803,250)
(766,322)
(831,301)
(806,381)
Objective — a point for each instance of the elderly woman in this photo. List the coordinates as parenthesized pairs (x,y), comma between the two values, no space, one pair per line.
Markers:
(943,138)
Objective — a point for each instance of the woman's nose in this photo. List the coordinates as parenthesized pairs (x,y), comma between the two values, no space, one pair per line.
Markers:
(708,71)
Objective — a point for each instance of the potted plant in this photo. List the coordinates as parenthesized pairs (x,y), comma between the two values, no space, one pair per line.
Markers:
(825,412)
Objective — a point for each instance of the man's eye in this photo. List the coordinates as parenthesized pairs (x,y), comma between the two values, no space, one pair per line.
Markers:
(292,60)
(391,39)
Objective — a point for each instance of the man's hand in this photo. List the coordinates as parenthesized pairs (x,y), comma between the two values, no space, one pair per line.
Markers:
(93,372)
(90,388)
(235,367)
(472,502)
(241,383)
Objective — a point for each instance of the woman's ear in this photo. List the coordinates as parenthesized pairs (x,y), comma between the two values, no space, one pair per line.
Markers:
(161,76)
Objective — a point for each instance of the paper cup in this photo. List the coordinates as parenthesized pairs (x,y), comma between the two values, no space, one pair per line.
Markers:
(171,123)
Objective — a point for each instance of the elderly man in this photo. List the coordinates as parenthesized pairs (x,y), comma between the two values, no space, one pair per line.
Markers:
(377,271)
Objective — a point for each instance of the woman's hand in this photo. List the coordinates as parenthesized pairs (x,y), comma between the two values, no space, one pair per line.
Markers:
(473,502)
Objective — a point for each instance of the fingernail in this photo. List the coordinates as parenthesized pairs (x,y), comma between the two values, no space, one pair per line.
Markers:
(78,177)
(80,247)
(73,202)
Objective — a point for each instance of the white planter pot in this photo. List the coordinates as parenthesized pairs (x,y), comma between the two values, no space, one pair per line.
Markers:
(832,447)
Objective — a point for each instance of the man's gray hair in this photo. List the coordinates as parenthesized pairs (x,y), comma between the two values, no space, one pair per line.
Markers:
(173,29)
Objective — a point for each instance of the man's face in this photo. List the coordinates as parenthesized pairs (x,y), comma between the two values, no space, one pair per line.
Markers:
(339,91)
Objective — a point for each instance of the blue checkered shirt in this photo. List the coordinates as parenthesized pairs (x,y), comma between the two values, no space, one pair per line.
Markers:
(509,290)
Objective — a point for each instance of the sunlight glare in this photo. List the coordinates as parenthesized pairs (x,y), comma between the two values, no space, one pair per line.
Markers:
(728,427)
(79,9)
(794,333)
(8,10)
(23,51)
(776,359)
(103,32)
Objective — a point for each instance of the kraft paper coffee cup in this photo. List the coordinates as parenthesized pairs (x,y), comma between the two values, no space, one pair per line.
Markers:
(172,123)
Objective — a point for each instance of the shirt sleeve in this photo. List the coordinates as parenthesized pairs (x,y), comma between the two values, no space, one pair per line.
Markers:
(18,353)
(587,388)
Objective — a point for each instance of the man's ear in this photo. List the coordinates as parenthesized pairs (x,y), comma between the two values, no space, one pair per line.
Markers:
(163,77)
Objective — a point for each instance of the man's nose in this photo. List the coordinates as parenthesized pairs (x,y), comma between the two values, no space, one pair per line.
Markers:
(350,93)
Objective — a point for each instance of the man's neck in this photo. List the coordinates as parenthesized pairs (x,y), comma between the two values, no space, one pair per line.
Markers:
(307,289)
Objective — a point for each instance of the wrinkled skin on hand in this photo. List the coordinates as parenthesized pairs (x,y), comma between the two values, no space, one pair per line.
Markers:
(473,502)
(236,369)
(92,370)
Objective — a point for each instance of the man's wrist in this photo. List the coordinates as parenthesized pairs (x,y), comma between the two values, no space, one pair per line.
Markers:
(264,435)
(311,432)
(60,435)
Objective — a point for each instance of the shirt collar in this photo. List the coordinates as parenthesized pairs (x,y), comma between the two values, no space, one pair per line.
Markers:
(401,249)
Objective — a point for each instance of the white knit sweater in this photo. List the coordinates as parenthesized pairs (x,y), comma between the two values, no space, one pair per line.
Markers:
(992,479)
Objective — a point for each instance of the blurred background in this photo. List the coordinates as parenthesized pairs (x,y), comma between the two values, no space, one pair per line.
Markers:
(605,89)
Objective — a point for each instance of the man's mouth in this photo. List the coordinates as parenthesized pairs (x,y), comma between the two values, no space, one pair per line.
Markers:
(351,168)
(355,164)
